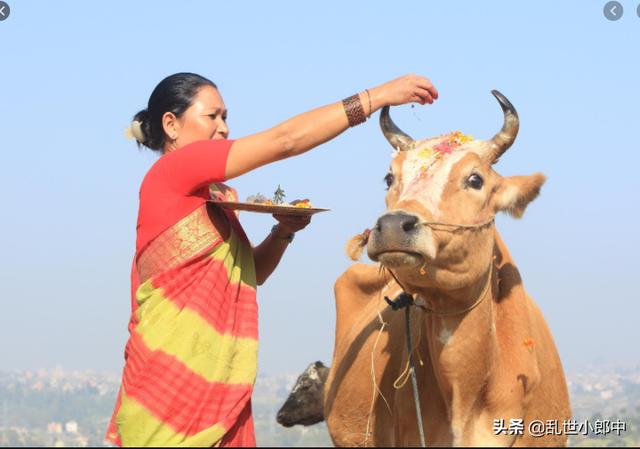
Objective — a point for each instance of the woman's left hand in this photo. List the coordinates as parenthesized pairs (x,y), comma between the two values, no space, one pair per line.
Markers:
(291,223)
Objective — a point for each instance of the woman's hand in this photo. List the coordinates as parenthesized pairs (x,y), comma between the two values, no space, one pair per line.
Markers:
(291,223)
(406,89)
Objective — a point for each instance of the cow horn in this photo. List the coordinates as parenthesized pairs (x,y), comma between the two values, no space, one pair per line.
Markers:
(505,138)
(396,137)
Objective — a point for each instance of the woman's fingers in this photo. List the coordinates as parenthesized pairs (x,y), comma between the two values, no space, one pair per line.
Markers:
(424,83)
(293,222)
(418,89)
(424,95)
(292,218)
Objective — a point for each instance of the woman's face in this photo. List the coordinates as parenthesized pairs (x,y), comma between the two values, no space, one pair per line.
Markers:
(205,119)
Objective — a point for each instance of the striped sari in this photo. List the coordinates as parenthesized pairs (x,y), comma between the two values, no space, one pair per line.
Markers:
(191,358)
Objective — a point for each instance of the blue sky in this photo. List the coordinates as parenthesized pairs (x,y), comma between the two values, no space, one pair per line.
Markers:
(74,73)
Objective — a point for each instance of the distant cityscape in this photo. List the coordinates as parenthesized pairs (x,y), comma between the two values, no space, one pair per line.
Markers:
(61,408)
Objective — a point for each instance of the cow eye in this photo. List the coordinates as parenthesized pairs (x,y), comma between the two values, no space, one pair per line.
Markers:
(389,179)
(475,181)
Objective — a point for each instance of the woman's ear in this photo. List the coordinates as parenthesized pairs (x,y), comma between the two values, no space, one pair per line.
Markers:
(170,124)
(516,192)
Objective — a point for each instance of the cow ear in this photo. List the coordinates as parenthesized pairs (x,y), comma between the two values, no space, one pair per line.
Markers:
(516,192)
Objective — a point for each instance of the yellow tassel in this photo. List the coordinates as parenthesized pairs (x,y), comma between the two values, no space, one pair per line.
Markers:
(356,244)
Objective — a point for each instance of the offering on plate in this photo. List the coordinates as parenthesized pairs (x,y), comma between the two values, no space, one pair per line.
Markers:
(275,205)
(278,200)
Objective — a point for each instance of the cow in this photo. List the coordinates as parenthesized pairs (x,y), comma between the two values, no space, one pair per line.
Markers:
(304,405)
(486,363)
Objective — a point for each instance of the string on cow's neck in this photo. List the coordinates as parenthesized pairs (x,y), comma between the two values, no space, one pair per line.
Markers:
(376,389)
(402,379)
(405,300)
(414,381)
(406,303)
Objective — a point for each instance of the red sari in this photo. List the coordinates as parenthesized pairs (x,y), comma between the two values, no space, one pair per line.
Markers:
(191,359)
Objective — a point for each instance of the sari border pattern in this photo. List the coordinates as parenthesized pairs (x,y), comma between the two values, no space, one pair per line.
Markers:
(179,243)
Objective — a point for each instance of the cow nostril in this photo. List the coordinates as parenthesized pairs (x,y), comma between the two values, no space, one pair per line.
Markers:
(394,222)
(409,223)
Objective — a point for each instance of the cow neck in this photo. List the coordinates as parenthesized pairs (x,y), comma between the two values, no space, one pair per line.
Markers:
(420,300)
(458,387)
(463,348)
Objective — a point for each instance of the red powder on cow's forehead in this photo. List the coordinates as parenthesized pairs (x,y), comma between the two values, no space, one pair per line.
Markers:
(446,143)
(430,151)
(445,147)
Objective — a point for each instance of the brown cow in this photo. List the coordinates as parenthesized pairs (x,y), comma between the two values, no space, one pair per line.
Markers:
(482,348)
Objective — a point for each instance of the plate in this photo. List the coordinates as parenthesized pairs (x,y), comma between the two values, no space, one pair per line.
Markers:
(268,209)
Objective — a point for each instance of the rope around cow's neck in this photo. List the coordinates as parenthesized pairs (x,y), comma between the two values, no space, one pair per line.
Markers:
(414,382)
(406,301)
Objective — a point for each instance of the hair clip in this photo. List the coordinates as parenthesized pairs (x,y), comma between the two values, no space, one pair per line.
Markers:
(134,131)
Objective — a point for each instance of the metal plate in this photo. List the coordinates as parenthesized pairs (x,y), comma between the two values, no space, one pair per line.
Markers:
(268,209)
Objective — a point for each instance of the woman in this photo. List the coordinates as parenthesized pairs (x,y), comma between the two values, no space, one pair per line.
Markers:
(191,358)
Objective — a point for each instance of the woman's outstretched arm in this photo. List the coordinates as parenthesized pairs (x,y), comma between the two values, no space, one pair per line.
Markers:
(310,129)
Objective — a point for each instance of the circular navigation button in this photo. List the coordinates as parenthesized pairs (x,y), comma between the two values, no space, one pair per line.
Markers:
(4,11)
(613,11)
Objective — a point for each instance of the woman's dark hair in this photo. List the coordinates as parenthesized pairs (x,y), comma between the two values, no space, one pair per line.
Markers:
(173,94)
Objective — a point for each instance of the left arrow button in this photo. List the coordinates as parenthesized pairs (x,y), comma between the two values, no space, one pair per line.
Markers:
(613,11)
(4,11)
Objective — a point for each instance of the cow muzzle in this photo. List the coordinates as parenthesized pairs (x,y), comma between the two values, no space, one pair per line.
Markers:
(398,240)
